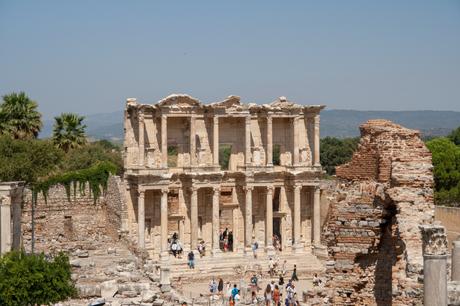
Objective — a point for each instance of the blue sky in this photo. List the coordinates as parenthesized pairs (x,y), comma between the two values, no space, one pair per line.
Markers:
(89,56)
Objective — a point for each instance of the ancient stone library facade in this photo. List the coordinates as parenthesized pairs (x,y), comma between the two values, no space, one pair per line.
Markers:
(196,169)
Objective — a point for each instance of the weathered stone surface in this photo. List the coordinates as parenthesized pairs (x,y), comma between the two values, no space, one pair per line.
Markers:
(109,288)
(373,235)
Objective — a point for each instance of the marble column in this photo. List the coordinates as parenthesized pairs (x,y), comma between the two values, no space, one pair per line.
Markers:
(248,219)
(316,160)
(269,221)
(269,141)
(141,139)
(317,216)
(5,225)
(215,141)
(456,260)
(192,141)
(247,155)
(295,138)
(165,268)
(297,245)
(434,246)
(141,219)
(164,222)
(164,141)
(194,218)
(215,221)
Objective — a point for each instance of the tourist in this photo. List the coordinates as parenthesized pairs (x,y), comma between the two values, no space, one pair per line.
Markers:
(191,260)
(254,299)
(220,286)
(254,285)
(174,248)
(268,295)
(316,280)
(225,233)
(255,246)
(230,241)
(234,291)
(283,267)
(231,301)
(201,248)
(174,237)
(294,274)
(272,285)
(213,287)
(276,295)
(271,267)
(281,281)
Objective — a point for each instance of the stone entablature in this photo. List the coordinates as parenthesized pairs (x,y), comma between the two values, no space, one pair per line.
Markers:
(197,130)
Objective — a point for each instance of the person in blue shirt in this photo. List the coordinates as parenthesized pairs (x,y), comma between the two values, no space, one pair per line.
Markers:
(234,291)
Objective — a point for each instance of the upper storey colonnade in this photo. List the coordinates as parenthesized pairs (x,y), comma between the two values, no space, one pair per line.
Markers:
(179,133)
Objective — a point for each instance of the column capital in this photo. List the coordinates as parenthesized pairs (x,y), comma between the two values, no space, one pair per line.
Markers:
(317,188)
(297,186)
(216,189)
(215,119)
(269,118)
(248,188)
(164,190)
(193,189)
(270,189)
(141,193)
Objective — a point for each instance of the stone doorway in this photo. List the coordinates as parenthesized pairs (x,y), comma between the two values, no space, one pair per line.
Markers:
(277,232)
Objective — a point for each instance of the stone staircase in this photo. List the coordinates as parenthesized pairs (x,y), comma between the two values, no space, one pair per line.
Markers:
(227,264)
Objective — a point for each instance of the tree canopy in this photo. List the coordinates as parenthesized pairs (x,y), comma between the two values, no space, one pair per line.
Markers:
(19,117)
(69,131)
(335,151)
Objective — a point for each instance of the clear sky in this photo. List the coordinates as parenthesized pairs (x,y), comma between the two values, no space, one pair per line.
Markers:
(89,56)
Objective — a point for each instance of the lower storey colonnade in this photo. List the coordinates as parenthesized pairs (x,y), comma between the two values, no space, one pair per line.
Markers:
(276,217)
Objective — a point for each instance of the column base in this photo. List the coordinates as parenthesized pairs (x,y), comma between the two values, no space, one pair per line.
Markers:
(320,250)
(216,252)
(297,248)
(164,256)
(165,271)
(270,250)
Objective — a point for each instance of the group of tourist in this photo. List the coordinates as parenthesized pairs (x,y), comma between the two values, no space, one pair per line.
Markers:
(226,240)
(175,247)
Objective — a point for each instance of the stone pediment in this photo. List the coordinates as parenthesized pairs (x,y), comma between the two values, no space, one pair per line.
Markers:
(282,102)
(179,101)
(229,102)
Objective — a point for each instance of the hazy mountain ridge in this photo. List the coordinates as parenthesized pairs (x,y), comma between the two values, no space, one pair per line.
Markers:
(336,123)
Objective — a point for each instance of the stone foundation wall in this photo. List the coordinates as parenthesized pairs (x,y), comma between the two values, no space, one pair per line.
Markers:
(372,233)
(66,225)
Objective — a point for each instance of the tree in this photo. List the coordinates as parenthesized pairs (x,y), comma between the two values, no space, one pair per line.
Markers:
(19,117)
(335,151)
(27,160)
(68,131)
(29,279)
(446,162)
(454,136)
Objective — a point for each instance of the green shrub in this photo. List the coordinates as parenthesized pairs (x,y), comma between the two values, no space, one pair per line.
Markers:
(335,151)
(30,279)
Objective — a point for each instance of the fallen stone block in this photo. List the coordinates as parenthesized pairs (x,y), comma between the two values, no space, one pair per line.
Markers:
(109,288)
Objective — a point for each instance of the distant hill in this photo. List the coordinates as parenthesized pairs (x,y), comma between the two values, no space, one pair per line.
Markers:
(336,123)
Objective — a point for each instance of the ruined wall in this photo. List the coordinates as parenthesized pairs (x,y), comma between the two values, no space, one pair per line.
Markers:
(373,236)
(66,225)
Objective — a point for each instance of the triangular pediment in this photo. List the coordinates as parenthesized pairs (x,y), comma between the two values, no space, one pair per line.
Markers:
(179,100)
(230,101)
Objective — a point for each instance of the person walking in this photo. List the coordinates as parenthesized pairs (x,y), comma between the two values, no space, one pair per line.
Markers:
(268,295)
(191,260)
(294,274)
(255,246)
(276,296)
(220,286)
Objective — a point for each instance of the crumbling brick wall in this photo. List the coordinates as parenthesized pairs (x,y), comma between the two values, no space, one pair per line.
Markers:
(63,225)
(373,237)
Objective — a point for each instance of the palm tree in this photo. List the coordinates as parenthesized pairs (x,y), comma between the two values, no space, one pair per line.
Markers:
(19,116)
(68,131)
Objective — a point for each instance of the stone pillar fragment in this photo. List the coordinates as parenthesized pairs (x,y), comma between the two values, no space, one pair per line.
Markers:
(194,218)
(141,139)
(456,260)
(215,141)
(295,138)
(297,245)
(192,141)
(248,219)
(269,141)
(269,221)
(215,221)
(434,243)
(164,141)
(317,216)
(141,219)
(247,155)
(316,160)
(5,224)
